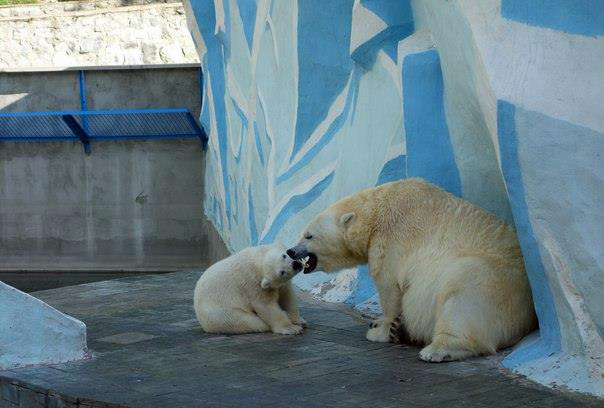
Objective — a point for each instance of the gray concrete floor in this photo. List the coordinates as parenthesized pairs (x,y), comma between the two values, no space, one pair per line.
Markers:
(148,351)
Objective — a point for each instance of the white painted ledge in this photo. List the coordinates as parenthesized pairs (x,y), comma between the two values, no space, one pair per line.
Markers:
(32,332)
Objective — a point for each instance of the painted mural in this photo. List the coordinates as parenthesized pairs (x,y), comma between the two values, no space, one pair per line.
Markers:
(308,101)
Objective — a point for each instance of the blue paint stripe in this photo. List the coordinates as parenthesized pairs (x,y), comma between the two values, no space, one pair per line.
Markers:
(583,17)
(364,288)
(393,13)
(398,17)
(243,130)
(549,328)
(388,40)
(296,204)
(205,15)
(235,200)
(252,218)
(391,49)
(395,169)
(258,144)
(429,150)
(336,125)
(324,61)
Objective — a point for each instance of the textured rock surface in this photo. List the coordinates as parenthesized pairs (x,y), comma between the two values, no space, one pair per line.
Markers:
(94,33)
(498,101)
(35,333)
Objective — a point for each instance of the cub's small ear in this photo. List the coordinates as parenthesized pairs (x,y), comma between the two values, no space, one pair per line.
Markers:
(347,218)
(265,284)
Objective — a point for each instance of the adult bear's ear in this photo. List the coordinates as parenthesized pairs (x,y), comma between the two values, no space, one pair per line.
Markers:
(347,218)
(265,284)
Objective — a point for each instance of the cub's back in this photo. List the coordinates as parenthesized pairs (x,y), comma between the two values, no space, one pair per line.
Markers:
(225,279)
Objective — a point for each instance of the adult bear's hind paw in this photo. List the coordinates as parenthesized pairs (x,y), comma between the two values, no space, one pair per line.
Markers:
(399,334)
(395,331)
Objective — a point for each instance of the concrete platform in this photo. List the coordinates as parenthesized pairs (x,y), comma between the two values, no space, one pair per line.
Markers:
(147,350)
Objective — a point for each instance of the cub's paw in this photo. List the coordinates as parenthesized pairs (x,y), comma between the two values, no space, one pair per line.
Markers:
(288,330)
(300,322)
(381,334)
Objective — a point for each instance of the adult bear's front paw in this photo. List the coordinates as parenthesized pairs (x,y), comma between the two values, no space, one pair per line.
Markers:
(377,322)
(288,330)
(381,333)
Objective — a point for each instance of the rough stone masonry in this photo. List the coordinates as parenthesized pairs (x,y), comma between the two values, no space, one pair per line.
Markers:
(85,33)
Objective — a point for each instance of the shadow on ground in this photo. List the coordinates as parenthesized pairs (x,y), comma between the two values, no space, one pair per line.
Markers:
(148,351)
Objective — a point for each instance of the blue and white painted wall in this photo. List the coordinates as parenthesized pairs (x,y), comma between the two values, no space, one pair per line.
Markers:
(497,101)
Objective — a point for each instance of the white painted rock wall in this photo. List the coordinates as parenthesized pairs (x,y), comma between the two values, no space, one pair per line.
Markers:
(528,78)
(497,101)
(32,332)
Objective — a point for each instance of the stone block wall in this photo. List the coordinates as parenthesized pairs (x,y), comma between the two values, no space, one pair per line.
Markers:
(84,33)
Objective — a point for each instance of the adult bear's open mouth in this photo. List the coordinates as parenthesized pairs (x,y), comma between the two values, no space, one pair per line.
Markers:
(311,264)
(308,259)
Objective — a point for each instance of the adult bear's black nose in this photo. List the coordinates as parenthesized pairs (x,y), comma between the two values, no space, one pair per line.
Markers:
(297,265)
(297,252)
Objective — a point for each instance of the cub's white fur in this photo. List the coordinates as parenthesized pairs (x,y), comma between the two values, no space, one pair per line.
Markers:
(452,272)
(248,292)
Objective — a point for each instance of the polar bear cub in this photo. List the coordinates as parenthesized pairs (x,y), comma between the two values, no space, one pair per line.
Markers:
(250,292)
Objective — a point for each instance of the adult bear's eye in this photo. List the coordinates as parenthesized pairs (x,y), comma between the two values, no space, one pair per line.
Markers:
(308,236)
(282,273)
(283,256)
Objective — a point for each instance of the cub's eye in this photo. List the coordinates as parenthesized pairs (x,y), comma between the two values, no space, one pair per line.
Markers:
(282,273)
(308,236)
(283,256)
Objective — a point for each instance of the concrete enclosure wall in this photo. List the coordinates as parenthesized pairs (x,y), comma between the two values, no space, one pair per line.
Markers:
(142,87)
(127,205)
(130,205)
(497,101)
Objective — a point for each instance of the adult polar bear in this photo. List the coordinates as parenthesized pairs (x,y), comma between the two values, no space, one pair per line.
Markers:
(452,272)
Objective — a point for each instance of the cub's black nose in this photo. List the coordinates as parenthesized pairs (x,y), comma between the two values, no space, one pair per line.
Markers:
(291,253)
(297,265)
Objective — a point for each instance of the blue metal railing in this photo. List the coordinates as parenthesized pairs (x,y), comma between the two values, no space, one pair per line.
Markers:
(89,126)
